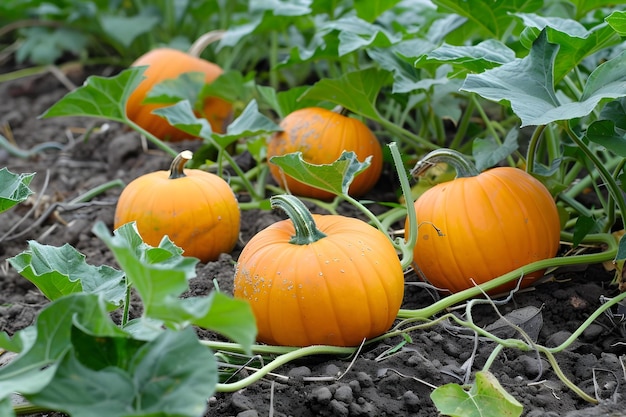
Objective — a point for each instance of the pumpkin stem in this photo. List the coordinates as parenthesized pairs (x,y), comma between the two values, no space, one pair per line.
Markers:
(203,41)
(339,109)
(176,168)
(460,163)
(306,229)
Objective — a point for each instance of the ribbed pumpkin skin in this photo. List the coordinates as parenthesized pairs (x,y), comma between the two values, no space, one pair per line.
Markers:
(492,224)
(322,135)
(164,64)
(198,212)
(337,291)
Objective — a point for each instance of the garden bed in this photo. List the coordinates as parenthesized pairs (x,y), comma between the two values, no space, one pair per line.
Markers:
(378,382)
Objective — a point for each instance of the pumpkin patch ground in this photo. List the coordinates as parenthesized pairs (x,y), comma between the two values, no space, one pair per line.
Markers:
(394,377)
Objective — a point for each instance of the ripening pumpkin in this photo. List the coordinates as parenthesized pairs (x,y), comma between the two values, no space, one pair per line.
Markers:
(197,210)
(169,63)
(319,279)
(322,135)
(482,225)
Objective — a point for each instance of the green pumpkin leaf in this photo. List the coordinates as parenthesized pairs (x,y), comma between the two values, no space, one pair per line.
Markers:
(125,29)
(487,152)
(287,101)
(13,188)
(170,91)
(603,132)
(356,33)
(616,112)
(617,21)
(172,372)
(250,123)
(100,97)
(493,19)
(161,274)
(335,177)
(59,271)
(528,85)
(45,344)
(405,76)
(476,58)
(575,41)
(369,10)
(356,91)
(181,116)
(486,398)
(231,86)
(583,7)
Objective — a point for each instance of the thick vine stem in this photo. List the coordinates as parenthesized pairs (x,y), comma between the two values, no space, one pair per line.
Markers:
(176,168)
(306,229)
(607,255)
(463,167)
(205,40)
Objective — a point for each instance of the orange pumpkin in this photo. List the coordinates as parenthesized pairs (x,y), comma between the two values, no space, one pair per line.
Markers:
(197,210)
(322,135)
(319,279)
(482,225)
(168,63)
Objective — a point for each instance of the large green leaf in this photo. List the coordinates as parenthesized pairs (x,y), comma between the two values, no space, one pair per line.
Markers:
(475,58)
(249,123)
(356,33)
(486,398)
(603,132)
(356,91)
(50,340)
(286,101)
(125,29)
(617,20)
(493,17)
(161,274)
(59,271)
(405,76)
(101,97)
(13,188)
(335,177)
(369,10)
(528,85)
(582,7)
(186,86)
(575,41)
(172,375)
(487,152)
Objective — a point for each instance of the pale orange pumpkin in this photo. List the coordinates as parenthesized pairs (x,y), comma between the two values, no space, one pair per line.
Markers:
(482,225)
(197,210)
(319,279)
(322,135)
(168,63)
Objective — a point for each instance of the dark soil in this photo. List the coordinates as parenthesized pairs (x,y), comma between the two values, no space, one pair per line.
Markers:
(398,385)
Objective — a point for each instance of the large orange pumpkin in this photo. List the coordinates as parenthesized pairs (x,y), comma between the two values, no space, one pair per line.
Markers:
(482,225)
(168,63)
(322,135)
(319,279)
(197,210)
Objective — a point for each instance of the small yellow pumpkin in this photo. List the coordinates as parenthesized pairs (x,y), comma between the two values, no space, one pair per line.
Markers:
(482,225)
(322,135)
(319,279)
(197,210)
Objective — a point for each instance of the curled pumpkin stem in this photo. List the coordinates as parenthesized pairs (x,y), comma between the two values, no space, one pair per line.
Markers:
(463,167)
(177,165)
(303,223)
(205,40)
